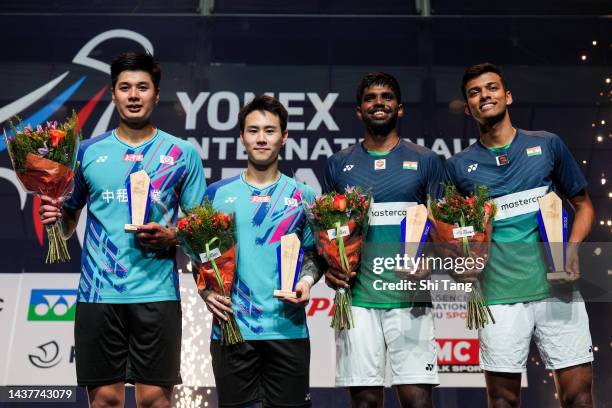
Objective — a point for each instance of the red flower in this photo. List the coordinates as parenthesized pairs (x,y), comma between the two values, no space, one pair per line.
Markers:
(56,136)
(340,202)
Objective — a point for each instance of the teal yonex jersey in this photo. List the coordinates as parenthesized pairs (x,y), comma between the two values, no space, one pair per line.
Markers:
(516,176)
(262,217)
(114,268)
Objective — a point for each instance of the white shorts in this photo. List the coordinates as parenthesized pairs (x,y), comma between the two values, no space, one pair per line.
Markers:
(561,331)
(406,335)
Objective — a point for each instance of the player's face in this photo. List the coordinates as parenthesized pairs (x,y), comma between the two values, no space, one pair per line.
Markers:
(380,108)
(487,100)
(262,137)
(135,97)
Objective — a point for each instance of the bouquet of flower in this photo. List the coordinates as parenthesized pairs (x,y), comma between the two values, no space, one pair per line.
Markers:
(44,161)
(339,222)
(207,235)
(463,225)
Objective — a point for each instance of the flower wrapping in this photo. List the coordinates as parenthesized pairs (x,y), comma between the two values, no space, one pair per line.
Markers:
(339,222)
(207,235)
(461,226)
(44,161)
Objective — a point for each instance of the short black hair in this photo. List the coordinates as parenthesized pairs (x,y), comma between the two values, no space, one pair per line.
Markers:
(378,79)
(477,70)
(264,103)
(135,61)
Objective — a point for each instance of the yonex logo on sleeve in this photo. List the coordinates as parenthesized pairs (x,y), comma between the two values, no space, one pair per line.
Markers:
(230,200)
(348,167)
(101,159)
(472,167)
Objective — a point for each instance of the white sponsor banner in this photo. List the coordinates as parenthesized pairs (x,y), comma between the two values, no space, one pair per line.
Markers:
(520,203)
(40,348)
(9,297)
(42,351)
(388,213)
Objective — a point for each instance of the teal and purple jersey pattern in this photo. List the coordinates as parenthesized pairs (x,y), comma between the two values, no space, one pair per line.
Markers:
(114,268)
(516,175)
(263,216)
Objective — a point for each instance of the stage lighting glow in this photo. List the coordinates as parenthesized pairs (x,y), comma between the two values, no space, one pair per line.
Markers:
(603,181)
(583,57)
(584,162)
(594,43)
(600,138)
(607,80)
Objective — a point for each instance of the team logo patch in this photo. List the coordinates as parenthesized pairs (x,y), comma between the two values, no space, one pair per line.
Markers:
(291,202)
(380,164)
(410,165)
(472,167)
(534,151)
(502,160)
(133,157)
(163,159)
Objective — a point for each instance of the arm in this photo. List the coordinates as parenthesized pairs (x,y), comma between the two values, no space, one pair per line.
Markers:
(583,221)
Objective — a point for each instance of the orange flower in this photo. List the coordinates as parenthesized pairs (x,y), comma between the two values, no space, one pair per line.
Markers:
(340,202)
(56,136)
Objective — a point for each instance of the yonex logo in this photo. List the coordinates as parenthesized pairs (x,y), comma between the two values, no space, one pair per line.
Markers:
(348,167)
(429,367)
(472,167)
(230,200)
(52,305)
(101,159)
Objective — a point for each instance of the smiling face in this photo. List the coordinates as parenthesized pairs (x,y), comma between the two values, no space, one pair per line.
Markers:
(487,99)
(135,96)
(262,137)
(380,109)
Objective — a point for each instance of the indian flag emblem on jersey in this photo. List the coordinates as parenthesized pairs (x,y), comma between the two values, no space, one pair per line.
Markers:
(410,165)
(534,151)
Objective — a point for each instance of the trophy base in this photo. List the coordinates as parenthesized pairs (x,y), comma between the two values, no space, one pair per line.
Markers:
(557,276)
(285,293)
(131,228)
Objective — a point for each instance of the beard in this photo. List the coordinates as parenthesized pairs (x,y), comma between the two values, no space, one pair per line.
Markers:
(381,128)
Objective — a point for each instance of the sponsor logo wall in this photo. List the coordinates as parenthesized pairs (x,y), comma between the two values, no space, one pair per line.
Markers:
(38,310)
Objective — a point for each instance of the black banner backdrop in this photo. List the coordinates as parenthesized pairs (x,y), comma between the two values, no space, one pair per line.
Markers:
(211,66)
